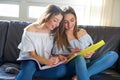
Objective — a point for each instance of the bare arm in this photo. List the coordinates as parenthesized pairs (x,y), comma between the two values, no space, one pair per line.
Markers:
(73,52)
(39,58)
(50,62)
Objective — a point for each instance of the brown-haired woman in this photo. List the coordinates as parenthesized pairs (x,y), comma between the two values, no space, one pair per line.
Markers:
(69,40)
(36,44)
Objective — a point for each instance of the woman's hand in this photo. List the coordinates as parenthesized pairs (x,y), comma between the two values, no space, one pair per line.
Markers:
(54,60)
(74,52)
(89,55)
(62,58)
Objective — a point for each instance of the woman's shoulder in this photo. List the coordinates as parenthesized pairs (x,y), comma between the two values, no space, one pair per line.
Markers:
(81,32)
(31,27)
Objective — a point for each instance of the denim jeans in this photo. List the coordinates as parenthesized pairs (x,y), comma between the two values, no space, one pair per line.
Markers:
(29,70)
(84,71)
(77,66)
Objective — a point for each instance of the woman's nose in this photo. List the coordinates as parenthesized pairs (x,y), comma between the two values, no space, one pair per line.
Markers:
(57,24)
(69,23)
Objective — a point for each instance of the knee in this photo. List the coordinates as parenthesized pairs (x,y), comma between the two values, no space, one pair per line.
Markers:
(79,58)
(113,55)
(61,72)
(27,69)
(28,65)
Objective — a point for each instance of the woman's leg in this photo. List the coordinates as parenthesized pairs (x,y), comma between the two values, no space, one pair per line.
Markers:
(54,73)
(81,68)
(28,68)
(102,63)
(78,66)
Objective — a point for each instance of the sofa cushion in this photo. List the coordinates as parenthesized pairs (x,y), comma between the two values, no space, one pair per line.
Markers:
(3,32)
(7,76)
(118,66)
(111,36)
(12,70)
(107,75)
(15,31)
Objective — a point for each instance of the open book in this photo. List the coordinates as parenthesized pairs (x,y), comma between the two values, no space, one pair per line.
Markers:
(39,65)
(89,49)
(47,67)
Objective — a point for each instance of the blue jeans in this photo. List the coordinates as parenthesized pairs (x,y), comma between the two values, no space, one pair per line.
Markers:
(84,71)
(77,66)
(29,70)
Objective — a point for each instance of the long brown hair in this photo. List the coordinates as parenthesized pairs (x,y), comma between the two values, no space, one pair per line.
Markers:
(61,37)
(51,10)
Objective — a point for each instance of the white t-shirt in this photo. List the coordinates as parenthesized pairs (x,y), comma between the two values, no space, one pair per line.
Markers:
(42,43)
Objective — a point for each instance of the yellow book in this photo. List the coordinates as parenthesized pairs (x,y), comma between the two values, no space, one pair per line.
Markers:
(89,49)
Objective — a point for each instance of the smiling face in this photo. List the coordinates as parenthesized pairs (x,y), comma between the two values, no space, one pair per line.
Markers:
(69,21)
(54,21)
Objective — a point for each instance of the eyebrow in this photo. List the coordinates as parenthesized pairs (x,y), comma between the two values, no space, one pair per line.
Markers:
(57,19)
(69,19)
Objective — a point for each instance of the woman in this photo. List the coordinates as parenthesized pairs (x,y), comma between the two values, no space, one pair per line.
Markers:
(36,44)
(70,40)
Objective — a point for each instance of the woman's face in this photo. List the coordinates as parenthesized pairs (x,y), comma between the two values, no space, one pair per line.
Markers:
(54,21)
(69,21)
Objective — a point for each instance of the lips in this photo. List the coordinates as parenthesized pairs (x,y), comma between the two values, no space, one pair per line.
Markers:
(69,26)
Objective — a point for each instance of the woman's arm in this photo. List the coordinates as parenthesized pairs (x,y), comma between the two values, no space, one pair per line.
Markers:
(39,58)
(73,52)
(42,60)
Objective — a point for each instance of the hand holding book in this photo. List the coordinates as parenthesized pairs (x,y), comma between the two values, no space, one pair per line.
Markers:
(89,55)
(91,48)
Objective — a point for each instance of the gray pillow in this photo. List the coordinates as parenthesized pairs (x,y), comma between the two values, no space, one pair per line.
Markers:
(11,70)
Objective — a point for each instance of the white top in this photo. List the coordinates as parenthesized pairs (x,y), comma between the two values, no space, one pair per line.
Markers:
(82,43)
(42,43)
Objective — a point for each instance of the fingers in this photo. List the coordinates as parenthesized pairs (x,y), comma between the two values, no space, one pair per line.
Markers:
(75,50)
(88,55)
(62,58)
(54,60)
